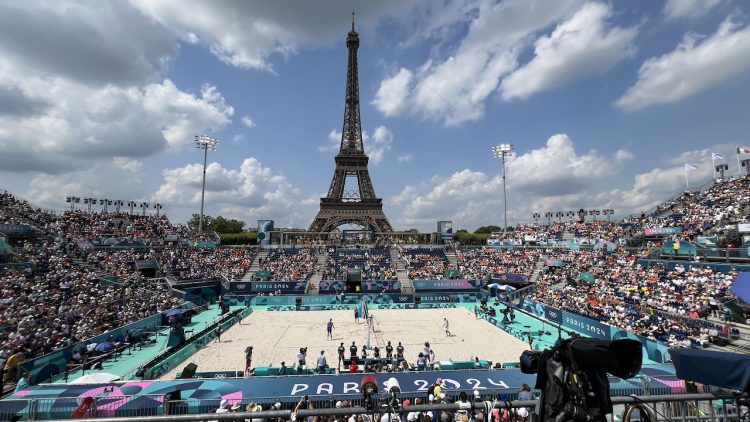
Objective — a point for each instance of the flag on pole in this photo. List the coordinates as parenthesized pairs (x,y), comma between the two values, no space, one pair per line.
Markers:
(743,150)
(690,167)
(716,156)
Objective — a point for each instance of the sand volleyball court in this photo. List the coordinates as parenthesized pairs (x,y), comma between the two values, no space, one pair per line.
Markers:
(278,336)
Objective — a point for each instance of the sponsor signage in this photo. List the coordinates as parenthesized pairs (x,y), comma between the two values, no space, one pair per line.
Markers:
(586,326)
(512,278)
(553,314)
(246,288)
(447,285)
(15,229)
(140,394)
(436,297)
(743,228)
(445,228)
(553,262)
(657,231)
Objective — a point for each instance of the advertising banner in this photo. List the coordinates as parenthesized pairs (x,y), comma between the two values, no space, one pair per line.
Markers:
(511,278)
(487,382)
(658,231)
(253,287)
(447,285)
(15,229)
(435,297)
(586,277)
(553,314)
(331,286)
(585,325)
(378,286)
(553,262)
(445,231)
(265,227)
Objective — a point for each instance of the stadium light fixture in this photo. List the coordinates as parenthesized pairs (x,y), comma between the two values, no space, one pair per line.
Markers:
(118,204)
(559,215)
(608,213)
(536,216)
(548,216)
(746,164)
(144,206)
(72,200)
(501,151)
(157,207)
(205,143)
(90,202)
(570,214)
(131,204)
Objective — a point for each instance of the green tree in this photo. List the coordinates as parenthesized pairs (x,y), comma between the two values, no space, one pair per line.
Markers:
(219,224)
(226,225)
(487,229)
(194,221)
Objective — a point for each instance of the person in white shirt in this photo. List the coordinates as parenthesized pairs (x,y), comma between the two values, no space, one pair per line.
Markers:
(223,408)
(322,364)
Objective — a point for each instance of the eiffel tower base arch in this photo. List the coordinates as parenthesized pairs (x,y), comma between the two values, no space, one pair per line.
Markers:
(363,214)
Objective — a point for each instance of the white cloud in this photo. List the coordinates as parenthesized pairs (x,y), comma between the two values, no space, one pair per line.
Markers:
(676,9)
(379,144)
(405,158)
(697,64)
(133,166)
(103,42)
(247,193)
(248,34)
(582,45)
(552,177)
(248,121)
(391,96)
(453,89)
(334,141)
(80,123)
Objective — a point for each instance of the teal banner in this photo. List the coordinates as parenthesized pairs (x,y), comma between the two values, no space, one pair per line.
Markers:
(446,285)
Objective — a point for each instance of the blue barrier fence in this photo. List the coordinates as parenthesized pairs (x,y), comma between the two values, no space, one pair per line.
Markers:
(654,350)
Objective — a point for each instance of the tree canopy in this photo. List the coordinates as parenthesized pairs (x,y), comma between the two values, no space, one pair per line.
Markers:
(219,224)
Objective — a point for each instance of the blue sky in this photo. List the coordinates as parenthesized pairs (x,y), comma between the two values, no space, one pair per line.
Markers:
(603,101)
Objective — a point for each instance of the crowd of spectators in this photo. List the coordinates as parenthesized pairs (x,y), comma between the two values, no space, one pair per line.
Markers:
(206,263)
(56,302)
(290,264)
(697,213)
(651,301)
(374,263)
(481,263)
(424,263)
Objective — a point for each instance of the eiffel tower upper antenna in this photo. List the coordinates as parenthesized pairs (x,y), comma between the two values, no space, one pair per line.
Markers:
(352,20)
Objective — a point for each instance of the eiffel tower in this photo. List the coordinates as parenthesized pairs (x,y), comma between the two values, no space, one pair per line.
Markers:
(357,206)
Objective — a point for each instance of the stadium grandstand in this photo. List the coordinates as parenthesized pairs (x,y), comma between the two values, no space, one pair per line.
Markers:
(88,295)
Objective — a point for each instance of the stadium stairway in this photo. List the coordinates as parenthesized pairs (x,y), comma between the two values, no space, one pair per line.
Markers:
(400,266)
(255,265)
(537,270)
(452,259)
(313,285)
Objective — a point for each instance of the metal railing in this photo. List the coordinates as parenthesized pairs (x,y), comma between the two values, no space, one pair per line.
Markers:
(686,407)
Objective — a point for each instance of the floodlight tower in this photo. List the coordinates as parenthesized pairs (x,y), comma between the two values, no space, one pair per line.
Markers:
(501,151)
(205,143)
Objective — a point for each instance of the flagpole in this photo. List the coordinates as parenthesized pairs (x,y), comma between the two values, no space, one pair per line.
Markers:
(687,182)
(739,171)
